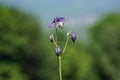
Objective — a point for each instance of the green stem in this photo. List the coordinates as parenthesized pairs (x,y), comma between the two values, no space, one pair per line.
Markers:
(55,43)
(60,68)
(59,61)
(65,44)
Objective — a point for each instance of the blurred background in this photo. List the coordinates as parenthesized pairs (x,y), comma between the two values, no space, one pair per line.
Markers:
(27,54)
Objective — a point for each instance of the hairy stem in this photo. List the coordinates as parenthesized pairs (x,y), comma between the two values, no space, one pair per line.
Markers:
(60,68)
(65,44)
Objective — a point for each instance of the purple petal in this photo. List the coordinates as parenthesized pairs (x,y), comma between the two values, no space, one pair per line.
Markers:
(64,20)
(53,20)
(60,19)
(51,25)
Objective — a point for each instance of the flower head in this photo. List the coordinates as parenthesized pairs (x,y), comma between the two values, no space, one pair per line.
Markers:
(52,38)
(58,22)
(57,50)
(73,36)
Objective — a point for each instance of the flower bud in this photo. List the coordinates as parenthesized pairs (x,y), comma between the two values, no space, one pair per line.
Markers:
(68,34)
(57,50)
(51,38)
(73,36)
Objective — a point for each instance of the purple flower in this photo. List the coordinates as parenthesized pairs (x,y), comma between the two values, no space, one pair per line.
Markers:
(57,50)
(52,38)
(73,36)
(58,22)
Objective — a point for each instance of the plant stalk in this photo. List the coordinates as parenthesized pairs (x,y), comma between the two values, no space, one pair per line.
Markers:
(65,44)
(60,67)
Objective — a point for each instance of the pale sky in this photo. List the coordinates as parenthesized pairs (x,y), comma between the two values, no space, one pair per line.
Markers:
(75,9)
(81,13)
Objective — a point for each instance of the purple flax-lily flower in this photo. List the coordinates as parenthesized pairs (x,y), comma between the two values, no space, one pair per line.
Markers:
(57,50)
(73,36)
(58,22)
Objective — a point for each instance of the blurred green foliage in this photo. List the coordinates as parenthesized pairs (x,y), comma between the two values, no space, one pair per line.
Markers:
(106,47)
(21,46)
(27,54)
